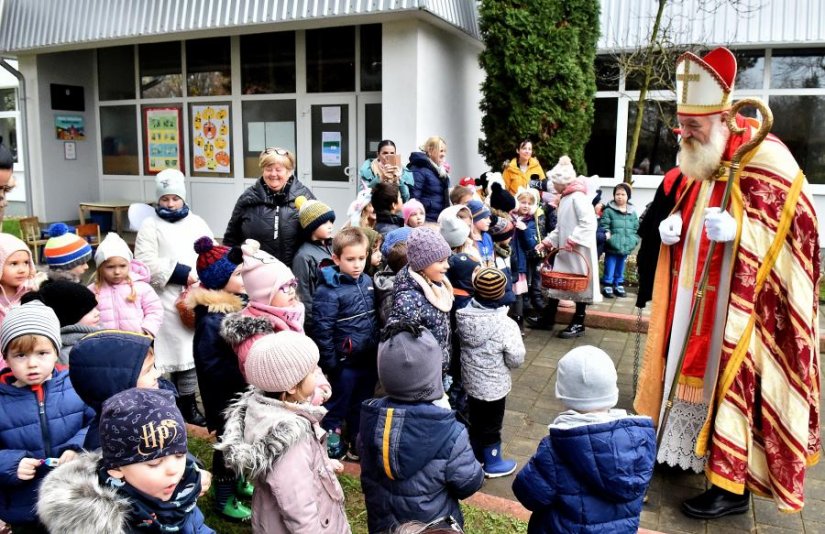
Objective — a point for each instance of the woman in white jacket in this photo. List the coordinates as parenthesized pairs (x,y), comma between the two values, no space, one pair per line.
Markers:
(165,244)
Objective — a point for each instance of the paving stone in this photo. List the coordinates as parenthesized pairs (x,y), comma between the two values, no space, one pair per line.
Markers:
(767,514)
(812,527)
(814,511)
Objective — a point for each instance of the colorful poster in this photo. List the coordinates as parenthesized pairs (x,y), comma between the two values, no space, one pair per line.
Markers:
(163,139)
(69,127)
(211,150)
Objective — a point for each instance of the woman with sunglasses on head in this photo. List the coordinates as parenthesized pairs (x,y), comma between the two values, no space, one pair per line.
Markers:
(386,167)
(266,211)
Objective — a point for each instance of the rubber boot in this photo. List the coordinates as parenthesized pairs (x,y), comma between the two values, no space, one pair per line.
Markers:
(244,488)
(235,510)
(188,406)
(494,465)
(227,504)
(336,447)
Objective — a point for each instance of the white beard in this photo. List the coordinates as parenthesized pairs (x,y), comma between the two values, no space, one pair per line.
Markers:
(701,161)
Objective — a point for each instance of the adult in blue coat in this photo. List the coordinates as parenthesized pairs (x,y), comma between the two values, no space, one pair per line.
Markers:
(431,183)
(25,432)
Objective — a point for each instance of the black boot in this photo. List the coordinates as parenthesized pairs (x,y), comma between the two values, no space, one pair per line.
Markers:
(716,503)
(546,319)
(188,406)
(576,328)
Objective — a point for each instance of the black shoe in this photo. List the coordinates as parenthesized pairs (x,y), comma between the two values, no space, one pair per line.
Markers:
(619,291)
(607,291)
(716,503)
(539,323)
(188,406)
(574,330)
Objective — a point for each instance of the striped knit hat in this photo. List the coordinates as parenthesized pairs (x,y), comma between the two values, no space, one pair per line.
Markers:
(215,264)
(478,210)
(32,318)
(65,250)
(312,214)
(489,283)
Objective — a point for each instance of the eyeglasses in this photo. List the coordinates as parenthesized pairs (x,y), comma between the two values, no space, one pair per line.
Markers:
(277,151)
(448,522)
(289,287)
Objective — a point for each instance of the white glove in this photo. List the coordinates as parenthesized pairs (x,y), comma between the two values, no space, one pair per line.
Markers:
(719,225)
(670,230)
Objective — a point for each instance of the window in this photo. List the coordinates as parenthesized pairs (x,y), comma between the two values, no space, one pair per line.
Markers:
(116,73)
(371,57)
(265,124)
(658,146)
(118,139)
(600,151)
(8,135)
(797,69)
(662,76)
(208,71)
(607,73)
(750,69)
(798,123)
(330,60)
(372,129)
(8,99)
(268,63)
(160,70)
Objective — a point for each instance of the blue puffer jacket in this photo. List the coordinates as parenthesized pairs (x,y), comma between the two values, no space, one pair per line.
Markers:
(29,431)
(345,323)
(429,187)
(590,474)
(523,246)
(428,466)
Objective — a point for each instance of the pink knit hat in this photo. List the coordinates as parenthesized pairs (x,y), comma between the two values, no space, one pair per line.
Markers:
(10,244)
(411,207)
(278,362)
(262,273)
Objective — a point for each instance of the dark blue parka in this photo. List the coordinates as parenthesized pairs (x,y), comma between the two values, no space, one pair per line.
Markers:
(345,324)
(426,467)
(589,478)
(40,422)
(523,246)
(429,187)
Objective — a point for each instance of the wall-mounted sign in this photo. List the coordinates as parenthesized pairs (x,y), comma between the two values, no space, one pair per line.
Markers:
(69,127)
(211,149)
(163,143)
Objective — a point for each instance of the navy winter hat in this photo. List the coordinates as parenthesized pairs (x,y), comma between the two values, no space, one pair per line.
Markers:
(216,263)
(139,425)
(461,271)
(478,210)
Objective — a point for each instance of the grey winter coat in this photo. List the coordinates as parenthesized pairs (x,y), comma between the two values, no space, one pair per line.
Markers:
(491,345)
(282,449)
(305,266)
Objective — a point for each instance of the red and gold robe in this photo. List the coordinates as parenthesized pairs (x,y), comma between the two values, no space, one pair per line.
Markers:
(761,429)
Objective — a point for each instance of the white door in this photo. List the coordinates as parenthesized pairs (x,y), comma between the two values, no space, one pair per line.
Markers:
(327,158)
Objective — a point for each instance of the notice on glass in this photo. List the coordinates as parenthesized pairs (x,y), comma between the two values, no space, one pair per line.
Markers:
(163,139)
(331,149)
(331,114)
(211,150)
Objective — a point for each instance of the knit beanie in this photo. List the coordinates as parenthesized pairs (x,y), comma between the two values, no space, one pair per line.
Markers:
(492,179)
(262,273)
(399,235)
(9,244)
(626,187)
(312,214)
(65,250)
(503,230)
(425,246)
(140,425)
(461,271)
(500,199)
(357,206)
(478,210)
(112,246)
(563,173)
(454,231)
(489,283)
(32,318)
(586,379)
(170,182)
(409,364)
(411,207)
(70,301)
(278,362)
(215,263)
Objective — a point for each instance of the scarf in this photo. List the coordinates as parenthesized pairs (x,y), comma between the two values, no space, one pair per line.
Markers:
(442,172)
(502,251)
(280,318)
(153,515)
(439,295)
(579,185)
(172,215)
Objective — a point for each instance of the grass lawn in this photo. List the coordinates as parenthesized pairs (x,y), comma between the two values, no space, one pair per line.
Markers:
(477,521)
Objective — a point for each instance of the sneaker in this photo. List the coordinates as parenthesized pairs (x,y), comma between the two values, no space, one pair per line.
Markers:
(235,510)
(607,291)
(336,447)
(620,292)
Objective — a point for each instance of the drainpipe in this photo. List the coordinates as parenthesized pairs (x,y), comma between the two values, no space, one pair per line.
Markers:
(24,130)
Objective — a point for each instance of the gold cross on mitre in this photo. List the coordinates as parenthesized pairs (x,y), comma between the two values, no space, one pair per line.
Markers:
(704,85)
(686,77)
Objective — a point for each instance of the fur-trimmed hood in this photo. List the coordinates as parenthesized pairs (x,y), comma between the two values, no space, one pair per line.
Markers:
(237,328)
(215,300)
(260,430)
(72,500)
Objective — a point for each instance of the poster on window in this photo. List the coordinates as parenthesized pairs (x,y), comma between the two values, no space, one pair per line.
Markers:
(163,139)
(210,139)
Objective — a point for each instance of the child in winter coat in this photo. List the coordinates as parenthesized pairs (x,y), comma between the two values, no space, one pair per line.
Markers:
(316,220)
(621,224)
(414,214)
(17,277)
(416,459)
(76,310)
(491,345)
(386,200)
(394,258)
(124,297)
(273,437)
(346,331)
(221,292)
(164,245)
(43,422)
(591,472)
(142,482)
(455,223)
(423,294)
(66,254)
(485,254)
(529,221)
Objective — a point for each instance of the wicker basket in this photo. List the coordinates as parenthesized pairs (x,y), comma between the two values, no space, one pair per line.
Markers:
(572,282)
